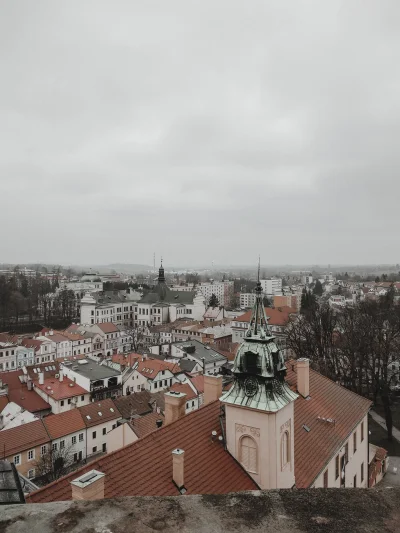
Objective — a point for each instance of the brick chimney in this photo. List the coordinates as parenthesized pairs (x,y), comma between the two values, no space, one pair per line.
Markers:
(212,388)
(90,486)
(178,457)
(303,377)
(175,404)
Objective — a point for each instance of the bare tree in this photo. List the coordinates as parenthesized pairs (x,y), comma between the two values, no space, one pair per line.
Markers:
(55,463)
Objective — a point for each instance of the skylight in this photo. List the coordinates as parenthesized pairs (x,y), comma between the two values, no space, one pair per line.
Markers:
(100,413)
(111,409)
(88,417)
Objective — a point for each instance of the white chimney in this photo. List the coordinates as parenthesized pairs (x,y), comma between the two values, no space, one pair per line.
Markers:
(41,378)
(178,478)
(303,377)
(61,376)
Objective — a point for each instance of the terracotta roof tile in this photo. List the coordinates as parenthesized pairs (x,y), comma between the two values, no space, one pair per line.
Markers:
(185,389)
(3,402)
(61,390)
(64,423)
(18,393)
(328,400)
(108,327)
(134,404)
(99,412)
(151,367)
(126,359)
(21,438)
(278,316)
(198,382)
(145,467)
(146,424)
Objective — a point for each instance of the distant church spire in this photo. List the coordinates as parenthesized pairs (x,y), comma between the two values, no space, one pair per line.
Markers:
(161,273)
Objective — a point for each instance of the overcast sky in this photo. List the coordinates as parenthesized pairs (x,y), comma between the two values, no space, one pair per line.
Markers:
(199,130)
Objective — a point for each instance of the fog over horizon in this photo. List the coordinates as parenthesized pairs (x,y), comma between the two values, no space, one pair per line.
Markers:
(199,131)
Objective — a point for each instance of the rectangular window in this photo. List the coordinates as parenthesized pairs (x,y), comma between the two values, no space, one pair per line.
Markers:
(362,431)
(69,401)
(31,473)
(74,439)
(62,444)
(31,455)
(355,481)
(94,435)
(17,460)
(82,398)
(62,403)
(362,472)
(43,450)
(337,467)
(104,431)
(80,437)
(326,479)
(346,452)
(94,449)
(355,441)
(54,446)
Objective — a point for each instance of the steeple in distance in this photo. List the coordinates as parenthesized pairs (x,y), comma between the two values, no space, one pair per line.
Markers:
(161,273)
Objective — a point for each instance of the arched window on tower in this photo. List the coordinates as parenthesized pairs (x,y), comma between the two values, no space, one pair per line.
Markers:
(248,454)
(285,449)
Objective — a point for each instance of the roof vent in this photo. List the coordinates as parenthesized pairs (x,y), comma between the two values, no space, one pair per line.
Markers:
(306,428)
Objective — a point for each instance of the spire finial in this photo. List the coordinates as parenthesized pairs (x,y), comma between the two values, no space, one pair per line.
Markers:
(258,276)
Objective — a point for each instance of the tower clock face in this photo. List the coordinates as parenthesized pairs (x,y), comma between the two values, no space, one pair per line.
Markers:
(250,386)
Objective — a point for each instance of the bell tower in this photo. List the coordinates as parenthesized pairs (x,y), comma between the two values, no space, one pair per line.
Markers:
(259,407)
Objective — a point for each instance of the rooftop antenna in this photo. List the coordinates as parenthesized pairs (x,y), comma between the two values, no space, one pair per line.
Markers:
(258,275)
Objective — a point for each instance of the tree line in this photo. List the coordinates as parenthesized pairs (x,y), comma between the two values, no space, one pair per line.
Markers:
(357,346)
(25,299)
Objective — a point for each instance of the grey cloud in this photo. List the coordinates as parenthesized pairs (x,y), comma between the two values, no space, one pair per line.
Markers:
(202,130)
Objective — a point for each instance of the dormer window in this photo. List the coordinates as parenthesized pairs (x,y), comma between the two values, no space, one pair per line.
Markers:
(252,363)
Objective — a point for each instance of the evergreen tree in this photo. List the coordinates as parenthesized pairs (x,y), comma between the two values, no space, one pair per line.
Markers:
(213,302)
(308,301)
(318,289)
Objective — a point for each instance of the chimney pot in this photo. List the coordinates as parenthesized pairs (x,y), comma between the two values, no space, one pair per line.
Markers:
(303,377)
(178,478)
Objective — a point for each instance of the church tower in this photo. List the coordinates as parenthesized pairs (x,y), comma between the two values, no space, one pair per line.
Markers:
(259,407)
(161,274)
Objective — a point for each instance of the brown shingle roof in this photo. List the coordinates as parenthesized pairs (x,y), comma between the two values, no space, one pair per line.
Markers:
(64,423)
(134,404)
(22,438)
(145,467)
(313,449)
(99,412)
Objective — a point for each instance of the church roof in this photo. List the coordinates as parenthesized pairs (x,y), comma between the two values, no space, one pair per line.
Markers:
(163,294)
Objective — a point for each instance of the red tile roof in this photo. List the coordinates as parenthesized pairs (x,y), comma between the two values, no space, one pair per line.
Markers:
(108,327)
(313,449)
(61,390)
(3,402)
(126,359)
(22,438)
(185,389)
(198,382)
(32,343)
(146,424)
(48,370)
(99,412)
(64,423)
(18,393)
(278,316)
(144,468)
(151,367)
